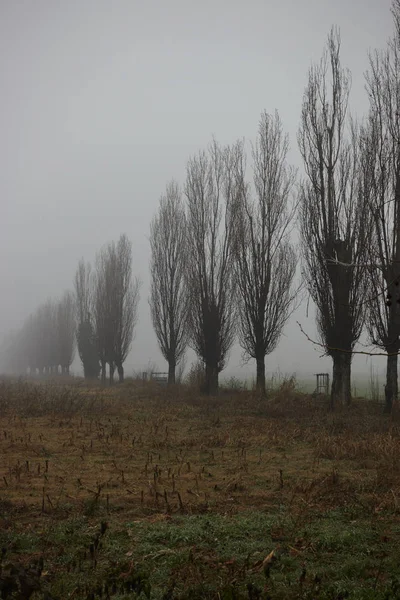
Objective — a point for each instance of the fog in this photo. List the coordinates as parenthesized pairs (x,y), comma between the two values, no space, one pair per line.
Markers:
(103,103)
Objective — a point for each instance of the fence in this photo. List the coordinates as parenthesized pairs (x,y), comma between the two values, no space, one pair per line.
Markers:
(159,378)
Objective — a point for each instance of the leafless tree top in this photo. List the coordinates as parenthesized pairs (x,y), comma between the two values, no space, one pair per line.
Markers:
(168,299)
(82,284)
(265,259)
(210,188)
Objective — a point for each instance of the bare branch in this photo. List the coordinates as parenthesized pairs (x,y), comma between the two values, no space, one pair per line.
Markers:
(328,350)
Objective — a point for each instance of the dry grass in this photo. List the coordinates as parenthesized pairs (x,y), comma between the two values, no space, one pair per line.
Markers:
(139,452)
(141,449)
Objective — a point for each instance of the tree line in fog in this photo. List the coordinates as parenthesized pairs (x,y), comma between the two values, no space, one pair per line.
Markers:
(223,262)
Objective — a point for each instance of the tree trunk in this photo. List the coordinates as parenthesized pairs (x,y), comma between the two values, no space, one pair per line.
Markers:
(211,380)
(103,372)
(171,372)
(120,369)
(112,369)
(260,384)
(391,387)
(341,379)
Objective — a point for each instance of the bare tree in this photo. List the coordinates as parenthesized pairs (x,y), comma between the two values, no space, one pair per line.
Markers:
(333,214)
(83,290)
(45,335)
(116,297)
(381,169)
(37,341)
(102,311)
(125,304)
(45,341)
(66,330)
(210,190)
(265,258)
(86,339)
(168,295)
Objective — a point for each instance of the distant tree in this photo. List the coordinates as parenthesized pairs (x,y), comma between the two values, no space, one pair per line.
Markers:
(87,344)
(102,313)
(83,290)
(381,177)
(85,335)
(66,331)
(125,304)
(45,341)
(45,336)
(116,297)
(13,353)
(168,296)
(333,215)
(28,345)
(265,262)
(210,190)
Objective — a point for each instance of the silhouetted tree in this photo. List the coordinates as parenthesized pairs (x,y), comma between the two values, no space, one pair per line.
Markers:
(66,331)
(45,337)
(210,190)
(381,169)
(265,259)
(83,290)
(125,304)
(45,340)
(86,339)
(333,214)
(102,312)
(87,345)
(116,297)
(168,296)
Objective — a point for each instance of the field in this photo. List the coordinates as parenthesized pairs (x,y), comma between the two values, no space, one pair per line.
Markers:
(140,491)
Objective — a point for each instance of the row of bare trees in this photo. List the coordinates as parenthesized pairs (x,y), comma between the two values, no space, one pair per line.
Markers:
(46,341)
(350,210)
(223,262)
(99,318)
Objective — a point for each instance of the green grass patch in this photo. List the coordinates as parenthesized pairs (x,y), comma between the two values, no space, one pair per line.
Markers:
(213,556)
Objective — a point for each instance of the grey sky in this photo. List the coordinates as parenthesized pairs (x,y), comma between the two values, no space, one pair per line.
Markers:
(103,102)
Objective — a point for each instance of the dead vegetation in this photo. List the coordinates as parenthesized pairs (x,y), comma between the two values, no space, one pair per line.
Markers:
(142,449)
(140,452)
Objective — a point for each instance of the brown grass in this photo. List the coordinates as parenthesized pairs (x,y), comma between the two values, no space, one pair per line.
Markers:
(78,459)
(139,449)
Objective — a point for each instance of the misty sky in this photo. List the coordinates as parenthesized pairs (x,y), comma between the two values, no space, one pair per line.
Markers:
(102,102)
